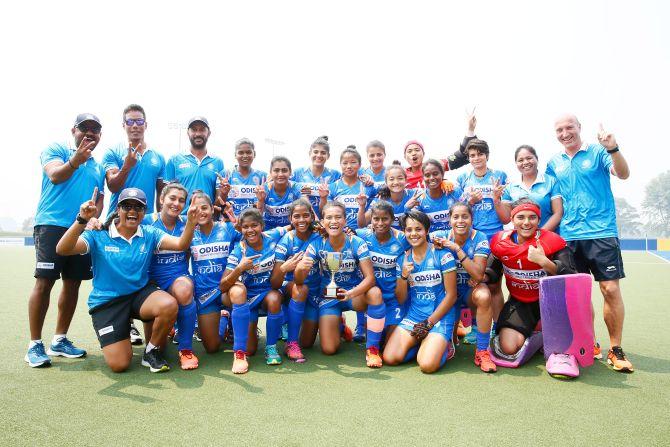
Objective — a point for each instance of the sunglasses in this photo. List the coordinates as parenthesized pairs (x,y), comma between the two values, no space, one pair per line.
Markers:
(131,122)
(135,207)
(92,129)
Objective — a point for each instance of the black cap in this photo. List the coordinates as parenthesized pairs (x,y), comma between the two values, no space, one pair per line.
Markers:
(82,117)
(133,194)
(198,119)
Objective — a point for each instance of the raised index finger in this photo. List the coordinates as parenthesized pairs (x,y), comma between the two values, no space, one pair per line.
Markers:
(95,195)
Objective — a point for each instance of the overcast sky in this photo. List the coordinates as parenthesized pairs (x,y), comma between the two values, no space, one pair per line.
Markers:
(355,71)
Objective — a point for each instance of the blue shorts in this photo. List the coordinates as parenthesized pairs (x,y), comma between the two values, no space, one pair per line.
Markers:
(254,302)
(326,307)
(463,293)
(394,312)
(166,282)
(439,328)
(207,303)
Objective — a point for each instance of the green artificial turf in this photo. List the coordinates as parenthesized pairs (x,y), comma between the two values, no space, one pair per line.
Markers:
(334,400)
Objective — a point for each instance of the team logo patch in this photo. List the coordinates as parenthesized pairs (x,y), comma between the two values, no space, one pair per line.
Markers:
(111,249)
(610,268)
(586,164)
(45,265)
(183,165)
(106,330)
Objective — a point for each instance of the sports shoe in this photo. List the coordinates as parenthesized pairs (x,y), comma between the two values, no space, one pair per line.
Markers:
(451,351)
(372,357)
(240,363)
(461,331)
(471,337)
(36,356)
(483,360)
(187,359)
(346,333)
(65,348)
(562,366)
(597,352)
(196,334)
(618,360)
(272,356)
(154,361)
(284,332)
(293,352)
(135,336)
(359,334)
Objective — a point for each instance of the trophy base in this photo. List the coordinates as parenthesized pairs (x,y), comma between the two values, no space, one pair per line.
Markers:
(331,293)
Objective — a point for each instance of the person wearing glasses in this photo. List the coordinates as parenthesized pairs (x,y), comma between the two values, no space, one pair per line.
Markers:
(121,254)
(69,174)
(133,164)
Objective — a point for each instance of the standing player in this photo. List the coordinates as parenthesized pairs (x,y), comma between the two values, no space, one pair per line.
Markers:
(69,174)
(437,198)
(376,172)
(427,277)
(393,191)
(311,178)
(275,197)
(589,220)
(197,169)
(243,179)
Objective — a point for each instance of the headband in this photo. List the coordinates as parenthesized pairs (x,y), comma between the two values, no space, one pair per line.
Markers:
(526,207)
(413,142)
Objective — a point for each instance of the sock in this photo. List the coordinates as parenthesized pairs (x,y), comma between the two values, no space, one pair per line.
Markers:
(284,309)
(186,321)
(241,318)
(273,327)
(223,325)
(375,320)
(296,310)
(449,321)
(57,338)
(473,327)
(34,342)
(483,340)
(360,319)
(411,354)
(149,347)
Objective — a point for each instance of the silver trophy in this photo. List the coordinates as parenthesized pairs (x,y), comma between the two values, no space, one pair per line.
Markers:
(333,261)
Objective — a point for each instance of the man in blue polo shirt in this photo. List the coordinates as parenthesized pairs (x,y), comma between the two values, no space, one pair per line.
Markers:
(133,164)
(589,219)
(69,175)
(197,169)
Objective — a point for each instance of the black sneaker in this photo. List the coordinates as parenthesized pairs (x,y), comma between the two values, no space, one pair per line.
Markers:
(196,334)
(154,361)
(135,337)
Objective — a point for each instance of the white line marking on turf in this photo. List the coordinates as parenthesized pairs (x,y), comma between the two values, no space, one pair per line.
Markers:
(659,257)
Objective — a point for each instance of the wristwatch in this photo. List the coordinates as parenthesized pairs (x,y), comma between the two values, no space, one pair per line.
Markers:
(81,220)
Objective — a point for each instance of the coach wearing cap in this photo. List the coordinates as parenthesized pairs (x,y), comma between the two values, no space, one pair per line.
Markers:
(69,176)
(196,170)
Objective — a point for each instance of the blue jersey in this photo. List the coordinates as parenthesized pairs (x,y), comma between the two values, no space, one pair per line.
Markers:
(304,176)
(349,274)
(476,245)
(291,244)
(399,208)
(347,195)
(484,216)
(167,265)
(384,256)
(209,255)
(426,284)
(275,213)
(379,179)
(542,191)
(194,174)
(584,183)
(149,169)
(257,279)
(59,203)
(437,210)
(120,267)
(243,189)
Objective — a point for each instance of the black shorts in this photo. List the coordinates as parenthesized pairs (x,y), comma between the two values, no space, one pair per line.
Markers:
(600,257)
(51,265)
(111,320)
(520,316)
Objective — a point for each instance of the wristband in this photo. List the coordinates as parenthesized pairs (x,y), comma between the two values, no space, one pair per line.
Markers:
(81,220)
(463,259)
(71,165)
(613,150)
(404,278)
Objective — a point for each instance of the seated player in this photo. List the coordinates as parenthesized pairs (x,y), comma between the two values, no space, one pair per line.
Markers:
(355,282)
(471,250)
(526,254)
(427,277)
(247,284)
(121,252)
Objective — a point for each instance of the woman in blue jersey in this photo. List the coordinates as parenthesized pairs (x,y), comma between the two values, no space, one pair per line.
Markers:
(121,252)
(471,250)
(385,244)
(169,268)
(238,186)
(427,277)
(355,282)
(349,187)
(317,173)
(247,283)
(540,188)
(438,196)
(276,196)
(288,253)
(393,191)
(375,173)
(211,246)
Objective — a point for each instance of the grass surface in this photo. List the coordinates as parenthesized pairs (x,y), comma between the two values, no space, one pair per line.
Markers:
(335,400)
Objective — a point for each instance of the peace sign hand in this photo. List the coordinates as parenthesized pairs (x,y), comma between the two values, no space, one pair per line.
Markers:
(415,199)
(498,189)
(362,198)
(472,119)
(88,210)
(192,213)
(323,190)
(224,186)
(131,156)
(606,138)
(261,194)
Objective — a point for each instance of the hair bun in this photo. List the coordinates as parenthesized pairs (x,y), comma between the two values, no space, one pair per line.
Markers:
(351,146)
(323,137)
